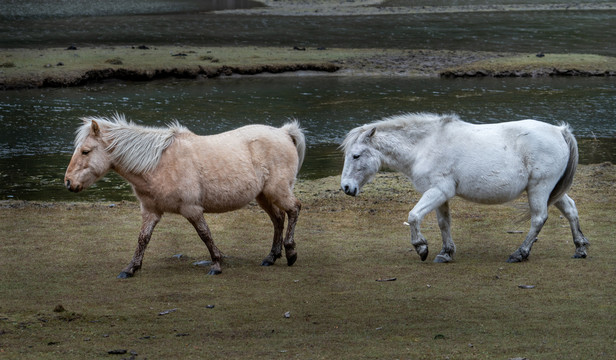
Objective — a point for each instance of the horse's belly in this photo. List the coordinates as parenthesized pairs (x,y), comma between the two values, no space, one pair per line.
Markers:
(224,204)
(492,189)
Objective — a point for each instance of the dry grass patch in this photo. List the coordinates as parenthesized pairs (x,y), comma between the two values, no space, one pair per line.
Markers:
(69,254)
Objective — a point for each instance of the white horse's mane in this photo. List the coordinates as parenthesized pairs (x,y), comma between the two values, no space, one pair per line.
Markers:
(417,122)
(137,148)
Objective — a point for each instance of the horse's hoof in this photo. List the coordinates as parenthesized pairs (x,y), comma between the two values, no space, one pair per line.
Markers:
(422,251)
(578,256)
(514,259)
(442,259)
(214,272)
(124,275)
(291,259)
(267,262)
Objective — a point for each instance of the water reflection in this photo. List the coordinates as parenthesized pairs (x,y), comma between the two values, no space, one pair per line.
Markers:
(37,126)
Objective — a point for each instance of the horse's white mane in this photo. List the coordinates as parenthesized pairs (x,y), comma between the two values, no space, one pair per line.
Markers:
(416,122)
(137,148)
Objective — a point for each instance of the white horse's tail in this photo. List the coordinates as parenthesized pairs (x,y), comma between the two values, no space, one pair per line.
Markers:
(563,185)
(297,135)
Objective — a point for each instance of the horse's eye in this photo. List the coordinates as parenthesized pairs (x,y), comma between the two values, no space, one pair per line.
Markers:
(356,156)
(85,152)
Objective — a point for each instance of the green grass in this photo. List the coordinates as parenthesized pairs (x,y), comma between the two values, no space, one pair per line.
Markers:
(532,64)
(69,254)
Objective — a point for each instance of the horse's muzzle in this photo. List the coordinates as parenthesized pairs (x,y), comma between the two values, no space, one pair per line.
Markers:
(352,191)
(70,188)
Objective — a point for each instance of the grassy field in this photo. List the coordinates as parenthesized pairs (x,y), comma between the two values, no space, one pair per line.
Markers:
(35,68)
(61,299)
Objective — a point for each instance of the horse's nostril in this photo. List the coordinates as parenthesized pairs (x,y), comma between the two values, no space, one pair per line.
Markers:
(68,184)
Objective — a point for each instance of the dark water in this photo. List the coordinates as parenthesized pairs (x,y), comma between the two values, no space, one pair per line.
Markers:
(37,126)
(47,24)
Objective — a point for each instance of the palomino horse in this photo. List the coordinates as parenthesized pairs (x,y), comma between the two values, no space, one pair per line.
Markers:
(173,170)
(492,164)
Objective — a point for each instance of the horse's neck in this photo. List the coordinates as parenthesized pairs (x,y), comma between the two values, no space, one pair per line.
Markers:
(397,150)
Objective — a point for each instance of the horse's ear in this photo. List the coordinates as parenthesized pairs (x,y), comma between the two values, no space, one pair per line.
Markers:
(371,132)
(95,130)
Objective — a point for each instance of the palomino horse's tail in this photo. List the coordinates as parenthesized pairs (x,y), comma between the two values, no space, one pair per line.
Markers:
(563,185)
(297,135)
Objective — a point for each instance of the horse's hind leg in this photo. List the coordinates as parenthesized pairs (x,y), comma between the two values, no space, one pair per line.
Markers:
(148,222)
(277,217)
(538,202)
(291,205)
(566,205)
(198,222)
(444,223)
(289,242)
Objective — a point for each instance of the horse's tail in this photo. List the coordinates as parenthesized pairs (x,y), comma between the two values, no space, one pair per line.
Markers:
(297,135)
(563,185)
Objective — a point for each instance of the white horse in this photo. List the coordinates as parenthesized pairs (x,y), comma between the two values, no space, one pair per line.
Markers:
(173,170)
(492,164)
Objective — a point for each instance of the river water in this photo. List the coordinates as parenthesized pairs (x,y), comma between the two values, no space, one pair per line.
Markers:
(37,126)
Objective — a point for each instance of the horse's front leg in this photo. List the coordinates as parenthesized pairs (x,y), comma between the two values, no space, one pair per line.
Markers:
(148,222)
(430,200)
(444,223)
(198,222)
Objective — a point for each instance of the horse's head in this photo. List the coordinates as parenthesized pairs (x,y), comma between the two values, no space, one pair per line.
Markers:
(361,160)
(90,160)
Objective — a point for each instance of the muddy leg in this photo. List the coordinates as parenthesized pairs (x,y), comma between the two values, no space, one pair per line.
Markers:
(204,233)
(148,222)
(566,205)
(277,218)
(289,241)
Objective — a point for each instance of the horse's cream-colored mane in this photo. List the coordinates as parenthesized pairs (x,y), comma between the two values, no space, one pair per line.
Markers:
(135,148)
(415,122)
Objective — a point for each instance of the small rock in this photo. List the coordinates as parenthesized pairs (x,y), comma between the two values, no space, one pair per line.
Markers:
(209,306)
(526,286)
(202,263)
(117,352)
(72,47)
(287,315)
(59,308)
(166,312)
